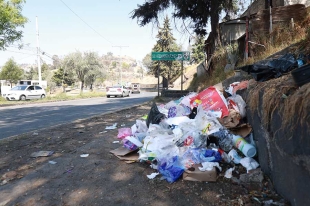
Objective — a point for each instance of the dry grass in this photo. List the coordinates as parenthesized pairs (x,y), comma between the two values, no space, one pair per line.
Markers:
(281,95)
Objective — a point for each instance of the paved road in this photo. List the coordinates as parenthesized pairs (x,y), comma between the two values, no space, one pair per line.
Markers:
(19,119)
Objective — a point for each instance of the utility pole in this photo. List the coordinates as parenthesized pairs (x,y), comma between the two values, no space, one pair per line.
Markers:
(38,52)
(120,47)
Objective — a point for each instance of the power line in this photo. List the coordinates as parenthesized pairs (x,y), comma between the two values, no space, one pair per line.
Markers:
(18,52)
(85,22)
(25,57)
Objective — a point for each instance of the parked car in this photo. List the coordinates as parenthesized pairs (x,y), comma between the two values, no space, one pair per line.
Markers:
(135,88)
(24,92)
(117,91)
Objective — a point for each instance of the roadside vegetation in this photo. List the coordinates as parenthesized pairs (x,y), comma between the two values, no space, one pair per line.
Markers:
(57,97)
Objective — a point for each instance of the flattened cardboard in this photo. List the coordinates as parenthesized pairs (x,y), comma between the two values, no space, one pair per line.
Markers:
(197,175)
(243,130)
(130,157)
(124,154)
(121,151)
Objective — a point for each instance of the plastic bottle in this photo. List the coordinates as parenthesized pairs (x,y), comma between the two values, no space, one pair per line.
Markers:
(247,149)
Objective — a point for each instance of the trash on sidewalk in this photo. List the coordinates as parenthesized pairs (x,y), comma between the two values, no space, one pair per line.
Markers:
(114,126)
(84,155)
(193,137)
(125,154)
(195,174)
(153,175)
(42,154)
(228,173)
(52,162)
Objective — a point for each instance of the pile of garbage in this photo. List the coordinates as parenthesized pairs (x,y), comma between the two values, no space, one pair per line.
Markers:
(191,136)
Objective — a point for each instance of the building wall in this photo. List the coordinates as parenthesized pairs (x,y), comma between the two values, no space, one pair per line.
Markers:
(231,32)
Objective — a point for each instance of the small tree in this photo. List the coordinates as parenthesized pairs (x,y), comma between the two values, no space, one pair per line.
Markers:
(11,72)
(31,74)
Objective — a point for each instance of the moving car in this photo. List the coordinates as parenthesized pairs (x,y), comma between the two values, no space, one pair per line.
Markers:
(135,88)
(117,91)
(24,92)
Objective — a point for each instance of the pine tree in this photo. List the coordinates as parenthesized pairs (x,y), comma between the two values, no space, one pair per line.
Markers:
(198,49)
(165,43)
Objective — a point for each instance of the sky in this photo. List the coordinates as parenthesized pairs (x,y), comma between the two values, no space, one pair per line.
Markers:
(93,25)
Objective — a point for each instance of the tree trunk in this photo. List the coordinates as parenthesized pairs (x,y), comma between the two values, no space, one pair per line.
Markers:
(82,86)
(215,17)
(91,87)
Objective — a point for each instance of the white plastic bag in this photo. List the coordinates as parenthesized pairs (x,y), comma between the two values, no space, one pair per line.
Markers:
(249,163)
(206,123)
(237,99)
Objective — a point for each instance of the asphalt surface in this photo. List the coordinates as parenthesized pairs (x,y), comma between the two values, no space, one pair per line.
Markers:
(19,119)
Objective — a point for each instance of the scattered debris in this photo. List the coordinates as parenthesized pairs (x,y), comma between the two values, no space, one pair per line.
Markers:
(52,162)
(42,154)
(153,175)
(114,126)
(84,155)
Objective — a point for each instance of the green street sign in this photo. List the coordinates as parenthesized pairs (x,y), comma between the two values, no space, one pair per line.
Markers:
(171,56)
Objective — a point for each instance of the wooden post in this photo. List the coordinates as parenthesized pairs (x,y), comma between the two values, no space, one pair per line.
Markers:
(158,74)
(246,38)
(182,77)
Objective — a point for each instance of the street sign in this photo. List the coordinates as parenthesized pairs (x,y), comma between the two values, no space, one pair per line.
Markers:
(171,56)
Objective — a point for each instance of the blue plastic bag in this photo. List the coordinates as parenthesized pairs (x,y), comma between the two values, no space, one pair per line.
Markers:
(199,155)
(171,169)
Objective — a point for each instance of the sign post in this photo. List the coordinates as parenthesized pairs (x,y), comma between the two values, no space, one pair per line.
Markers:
(171,56)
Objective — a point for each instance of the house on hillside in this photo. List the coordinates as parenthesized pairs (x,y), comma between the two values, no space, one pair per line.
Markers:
(254,22)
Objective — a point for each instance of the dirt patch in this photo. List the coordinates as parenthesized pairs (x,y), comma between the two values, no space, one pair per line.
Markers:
(66,178)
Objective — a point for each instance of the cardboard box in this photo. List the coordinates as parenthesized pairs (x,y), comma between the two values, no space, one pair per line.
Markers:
(197,175)
(125,154)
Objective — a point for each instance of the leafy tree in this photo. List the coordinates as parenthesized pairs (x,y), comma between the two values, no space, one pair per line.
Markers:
(31,74)
(165,43)
(81,65)
(60,77)
(198,49)
(198,12)
(147,61)
(11,72)
(11,20)
(56,61)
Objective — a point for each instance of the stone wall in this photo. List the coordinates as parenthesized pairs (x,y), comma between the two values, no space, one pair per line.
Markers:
(283,150)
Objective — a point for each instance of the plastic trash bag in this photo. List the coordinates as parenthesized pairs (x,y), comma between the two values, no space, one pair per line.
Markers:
(192,139)
(238,104)
(208,166)
(187,99)
(154,115)
(124,132)
(224,138)
(141,126)
(249,163)
(171,169)
(199,155)
(206,123)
